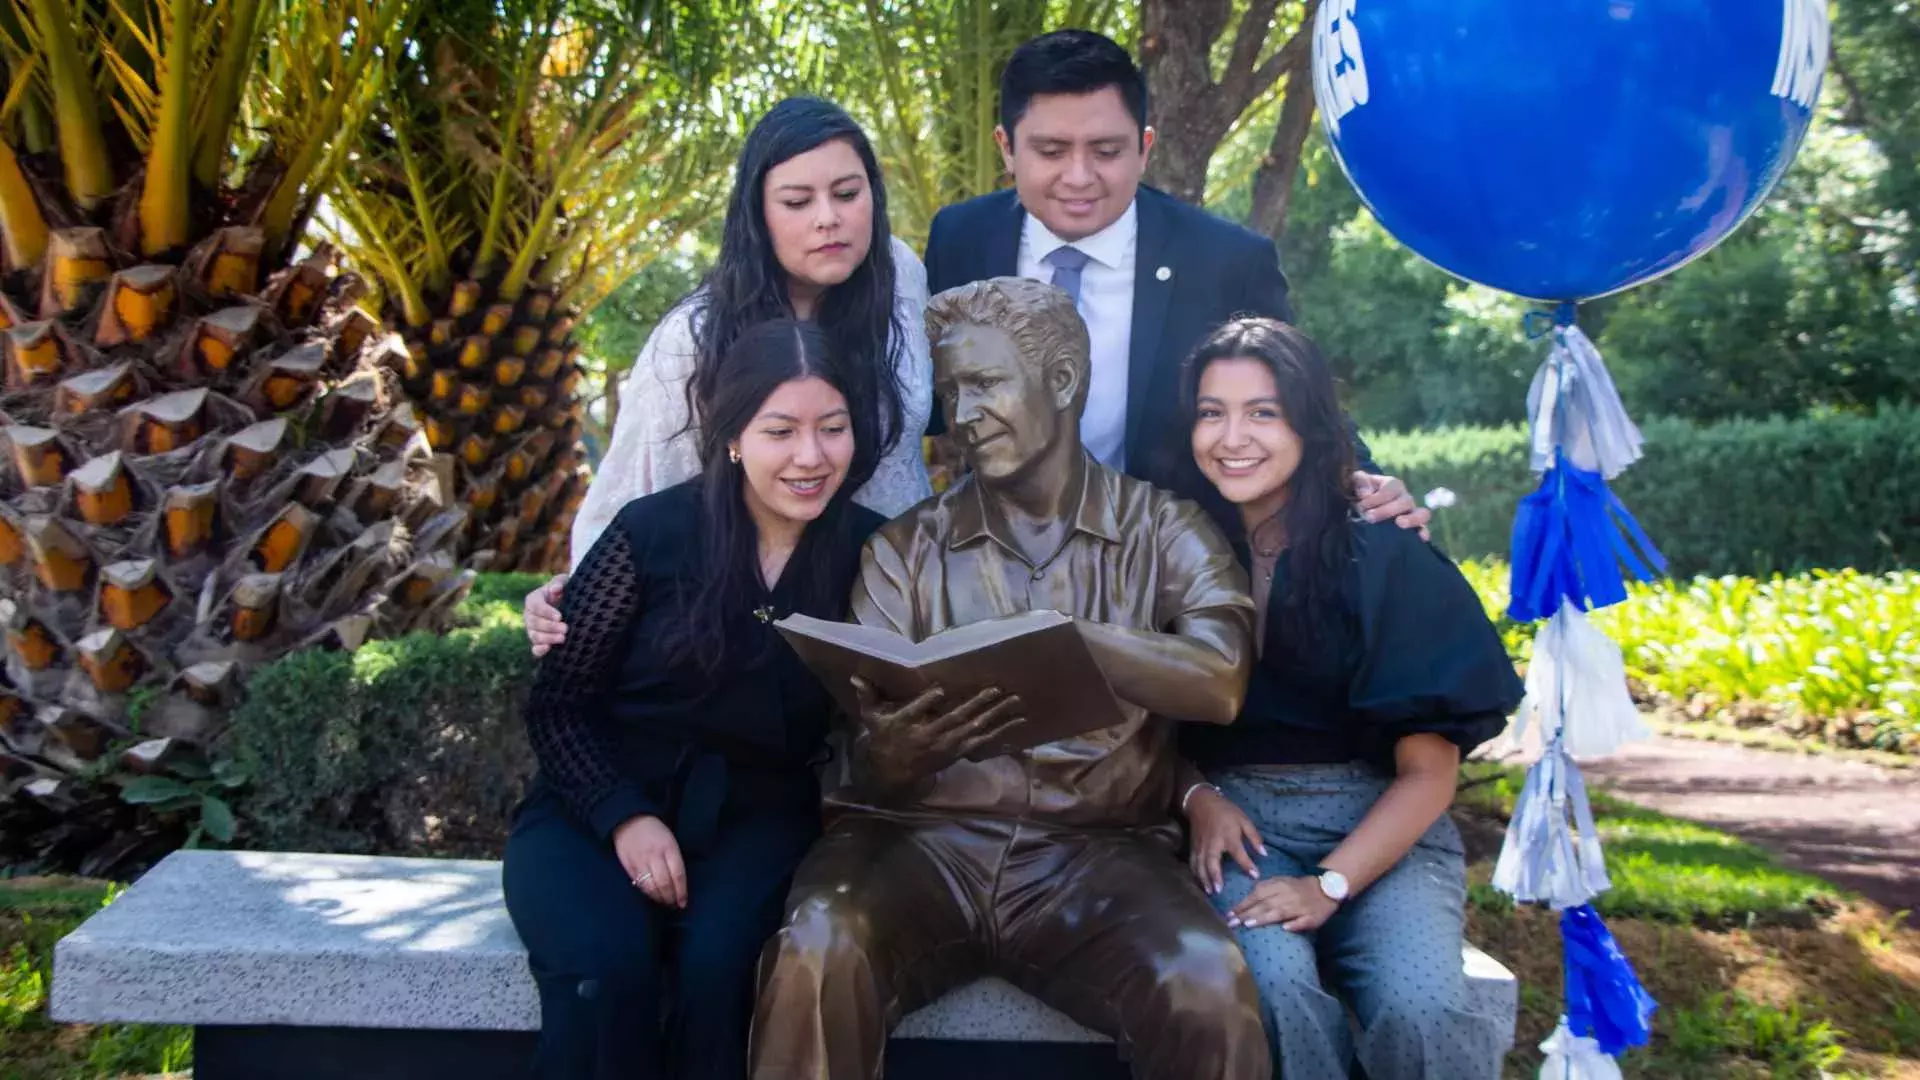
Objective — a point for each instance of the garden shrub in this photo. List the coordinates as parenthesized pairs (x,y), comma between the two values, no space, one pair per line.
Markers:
(411,746)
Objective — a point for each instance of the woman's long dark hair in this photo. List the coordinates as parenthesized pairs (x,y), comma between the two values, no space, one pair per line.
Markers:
(726,593)
(747,284)
(1317,520)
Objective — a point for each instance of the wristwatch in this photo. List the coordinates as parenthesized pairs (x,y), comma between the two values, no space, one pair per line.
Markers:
(1333,883)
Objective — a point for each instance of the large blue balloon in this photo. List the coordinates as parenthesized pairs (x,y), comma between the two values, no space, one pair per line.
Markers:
(1566,149)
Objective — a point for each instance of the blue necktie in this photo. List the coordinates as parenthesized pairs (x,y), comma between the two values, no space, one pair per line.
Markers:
(1067,262)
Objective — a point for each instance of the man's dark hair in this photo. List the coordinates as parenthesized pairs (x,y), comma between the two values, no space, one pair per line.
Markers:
(1070,62)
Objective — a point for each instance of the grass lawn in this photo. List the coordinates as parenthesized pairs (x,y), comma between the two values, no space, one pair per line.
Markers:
(1759,971)
(35,913)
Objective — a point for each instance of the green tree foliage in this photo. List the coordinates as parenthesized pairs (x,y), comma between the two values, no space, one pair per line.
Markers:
(1809,306)
(1876,67)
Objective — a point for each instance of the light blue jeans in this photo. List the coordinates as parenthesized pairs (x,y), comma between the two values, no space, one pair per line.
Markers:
(1392,952)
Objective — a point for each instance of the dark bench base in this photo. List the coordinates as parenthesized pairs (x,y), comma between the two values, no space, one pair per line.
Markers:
(304,1053)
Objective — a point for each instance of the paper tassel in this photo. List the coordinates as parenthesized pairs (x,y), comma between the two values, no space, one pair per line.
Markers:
(1604,997)
(1542,860)
(1570,539)
(1577,690)
(1572,1057)
(1576,409)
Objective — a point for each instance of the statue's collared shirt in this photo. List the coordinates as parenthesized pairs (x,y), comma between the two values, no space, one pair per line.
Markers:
(1134,556)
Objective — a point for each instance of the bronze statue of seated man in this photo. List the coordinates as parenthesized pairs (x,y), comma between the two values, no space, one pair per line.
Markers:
(1054,868)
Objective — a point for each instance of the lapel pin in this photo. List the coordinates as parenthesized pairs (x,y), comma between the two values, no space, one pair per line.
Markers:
(1164,273)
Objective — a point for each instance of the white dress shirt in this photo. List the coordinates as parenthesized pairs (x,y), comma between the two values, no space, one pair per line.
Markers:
(1106,303)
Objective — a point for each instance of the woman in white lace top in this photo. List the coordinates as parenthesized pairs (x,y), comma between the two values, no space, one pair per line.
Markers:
(806,235)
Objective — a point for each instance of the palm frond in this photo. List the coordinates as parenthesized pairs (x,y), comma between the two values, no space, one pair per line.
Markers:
(22,225)
(379,241)
(19,86)
(83,145)
(342,41)
(243,22)
(164,212)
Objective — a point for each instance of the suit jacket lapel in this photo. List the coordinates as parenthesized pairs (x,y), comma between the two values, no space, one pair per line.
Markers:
(1150,298)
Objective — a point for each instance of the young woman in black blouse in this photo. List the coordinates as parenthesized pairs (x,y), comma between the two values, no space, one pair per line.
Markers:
(677,735)
(1377,670)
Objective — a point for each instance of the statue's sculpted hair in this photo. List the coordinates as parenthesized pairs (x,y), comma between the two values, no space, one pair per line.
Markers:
(1040,318)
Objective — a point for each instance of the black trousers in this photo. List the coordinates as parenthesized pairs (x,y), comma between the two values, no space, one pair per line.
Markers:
(632,990)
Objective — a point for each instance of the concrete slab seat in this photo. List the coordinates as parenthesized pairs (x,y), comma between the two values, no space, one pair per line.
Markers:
(324,967)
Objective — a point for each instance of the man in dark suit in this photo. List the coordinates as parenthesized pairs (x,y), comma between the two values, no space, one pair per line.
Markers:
(1150,274)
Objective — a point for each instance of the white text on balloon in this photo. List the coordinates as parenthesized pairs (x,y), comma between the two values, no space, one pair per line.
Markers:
(1340,72)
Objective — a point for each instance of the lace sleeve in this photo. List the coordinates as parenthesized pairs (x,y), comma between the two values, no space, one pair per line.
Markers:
(565,709)
(900,477)
(650,450)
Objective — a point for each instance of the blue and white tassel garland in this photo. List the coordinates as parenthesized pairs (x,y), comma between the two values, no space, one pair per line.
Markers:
(1574,545)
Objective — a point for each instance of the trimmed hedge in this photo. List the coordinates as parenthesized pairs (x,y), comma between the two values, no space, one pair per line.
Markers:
(411,746)
(1753,497)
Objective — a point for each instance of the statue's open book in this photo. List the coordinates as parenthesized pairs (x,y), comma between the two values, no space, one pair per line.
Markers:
(1037,656)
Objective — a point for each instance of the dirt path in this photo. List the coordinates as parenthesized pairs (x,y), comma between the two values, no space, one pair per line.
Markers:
(1854,824)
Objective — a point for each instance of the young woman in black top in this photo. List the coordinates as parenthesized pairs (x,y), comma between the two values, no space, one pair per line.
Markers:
(677,735)
(1377,670)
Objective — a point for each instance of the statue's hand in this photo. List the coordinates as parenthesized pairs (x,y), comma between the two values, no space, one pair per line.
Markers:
(904,744)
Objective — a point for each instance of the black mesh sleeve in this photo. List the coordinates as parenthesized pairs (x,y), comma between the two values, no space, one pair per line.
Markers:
(566,711)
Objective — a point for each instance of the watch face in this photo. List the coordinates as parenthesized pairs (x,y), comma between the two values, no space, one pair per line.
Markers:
(1334,884)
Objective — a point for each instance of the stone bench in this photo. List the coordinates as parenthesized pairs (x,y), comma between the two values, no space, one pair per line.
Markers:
(322,967)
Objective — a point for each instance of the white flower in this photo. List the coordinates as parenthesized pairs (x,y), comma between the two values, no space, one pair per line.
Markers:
(1440,498)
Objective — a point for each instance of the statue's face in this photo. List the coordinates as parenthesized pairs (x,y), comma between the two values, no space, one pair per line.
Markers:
(999,406)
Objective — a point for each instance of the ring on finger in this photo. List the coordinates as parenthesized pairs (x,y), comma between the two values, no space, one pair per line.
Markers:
(641,881)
